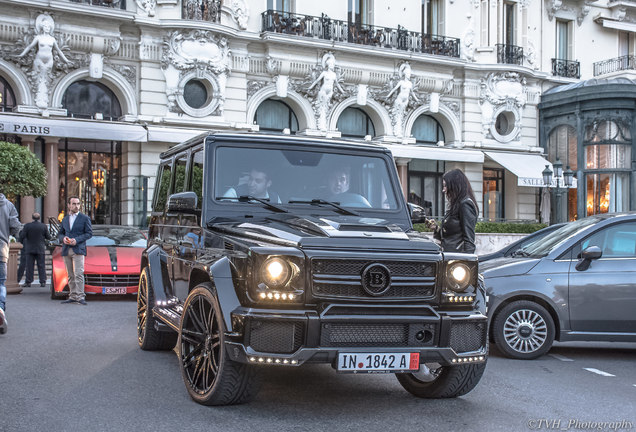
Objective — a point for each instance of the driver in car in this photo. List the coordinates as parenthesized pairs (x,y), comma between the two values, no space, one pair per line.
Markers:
(257,186)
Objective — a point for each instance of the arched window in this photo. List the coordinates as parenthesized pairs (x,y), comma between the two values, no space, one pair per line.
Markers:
(355,123)
(85,99)
(275,115)
(427,130)
(7,98)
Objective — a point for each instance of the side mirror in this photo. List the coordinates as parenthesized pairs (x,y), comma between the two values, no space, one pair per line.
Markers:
(589,254)
(182,202)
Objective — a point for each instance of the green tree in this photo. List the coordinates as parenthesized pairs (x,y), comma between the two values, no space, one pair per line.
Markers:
(21,172)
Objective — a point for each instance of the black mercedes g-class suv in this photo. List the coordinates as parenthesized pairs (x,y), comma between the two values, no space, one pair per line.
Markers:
(277,251)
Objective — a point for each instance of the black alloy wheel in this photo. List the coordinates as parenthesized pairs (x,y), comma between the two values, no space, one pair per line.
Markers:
(148,337)
(210,376)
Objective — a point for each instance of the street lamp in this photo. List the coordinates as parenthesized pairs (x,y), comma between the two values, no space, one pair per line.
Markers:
(567,177)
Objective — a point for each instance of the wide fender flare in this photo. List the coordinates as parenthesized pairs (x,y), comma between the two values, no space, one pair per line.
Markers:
(221,275)
(155,258)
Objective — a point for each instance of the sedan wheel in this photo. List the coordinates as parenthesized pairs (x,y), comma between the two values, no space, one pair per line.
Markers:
(210,376)
(523,330)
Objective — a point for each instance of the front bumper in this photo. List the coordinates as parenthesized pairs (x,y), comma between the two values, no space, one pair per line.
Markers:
(296,337)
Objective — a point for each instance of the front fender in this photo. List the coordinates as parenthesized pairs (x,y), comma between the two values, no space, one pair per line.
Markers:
(221,276)
(158,269)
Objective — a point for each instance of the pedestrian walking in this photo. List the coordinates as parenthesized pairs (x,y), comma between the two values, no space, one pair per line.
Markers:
(457,230)
(75,229)
(32,237)
(9,225)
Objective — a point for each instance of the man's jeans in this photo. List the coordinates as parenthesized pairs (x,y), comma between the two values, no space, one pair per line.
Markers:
(3,288)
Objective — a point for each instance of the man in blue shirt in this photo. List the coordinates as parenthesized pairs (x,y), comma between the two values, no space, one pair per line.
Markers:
(75,229)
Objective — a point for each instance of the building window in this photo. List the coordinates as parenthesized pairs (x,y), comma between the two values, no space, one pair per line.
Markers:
(493,194)
(425,186)
(85,99)
(355,123)
(275,115)
(281,5)
(361,12)
(563,40)
(427,130)
(433,17)
(624,44)
(510,23)
(485,22)
(91,171)
(563,146)
(7,98)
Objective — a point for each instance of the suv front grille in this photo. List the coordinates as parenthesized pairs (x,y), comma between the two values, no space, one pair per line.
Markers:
(280,337)
(343,278)
(365,335)
(106,280)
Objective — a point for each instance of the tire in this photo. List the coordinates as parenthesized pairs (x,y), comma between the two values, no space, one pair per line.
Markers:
(55,295)
(149,338)
(523,330)
(436,382)
(210,377)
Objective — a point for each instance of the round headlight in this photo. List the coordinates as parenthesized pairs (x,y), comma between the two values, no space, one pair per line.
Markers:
(458,276)
(275,272)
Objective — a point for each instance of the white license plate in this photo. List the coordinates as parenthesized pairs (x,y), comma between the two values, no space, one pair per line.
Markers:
(113,290)
(371,362)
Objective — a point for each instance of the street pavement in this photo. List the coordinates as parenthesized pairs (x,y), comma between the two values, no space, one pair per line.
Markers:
(78,368)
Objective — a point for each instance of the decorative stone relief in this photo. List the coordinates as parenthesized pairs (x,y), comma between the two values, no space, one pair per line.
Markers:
(552,6)
(530,54)
(524,4)
(400,97)
(502,100)
(468,41)
(240,12)
(127,71)
(42,58)
(195,55)
(147,7)
(585,10)
(254,86)
(330,90)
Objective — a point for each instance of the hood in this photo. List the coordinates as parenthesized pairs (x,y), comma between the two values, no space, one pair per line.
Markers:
(309,232)
(112,258)
(3,199)
(506,266)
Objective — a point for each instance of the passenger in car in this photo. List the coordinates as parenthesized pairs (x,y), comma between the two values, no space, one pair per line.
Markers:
(258,186)
(339,183)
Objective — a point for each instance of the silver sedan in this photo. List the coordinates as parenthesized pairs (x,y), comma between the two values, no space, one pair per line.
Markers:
(577,284)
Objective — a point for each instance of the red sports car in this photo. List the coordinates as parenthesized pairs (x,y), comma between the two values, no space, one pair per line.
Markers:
(112,262)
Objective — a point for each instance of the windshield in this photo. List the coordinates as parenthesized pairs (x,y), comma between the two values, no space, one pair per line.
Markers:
(301,177)
(114,236)
(547,244)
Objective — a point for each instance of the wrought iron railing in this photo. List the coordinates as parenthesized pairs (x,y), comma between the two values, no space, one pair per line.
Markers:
(509,54)
(566,68)
(323,27)
(202,10)
(115,4)
(627,62)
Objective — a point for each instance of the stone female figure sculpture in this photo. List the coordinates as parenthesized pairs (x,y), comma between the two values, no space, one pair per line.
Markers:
(398,110)
(329,78)
(44,59)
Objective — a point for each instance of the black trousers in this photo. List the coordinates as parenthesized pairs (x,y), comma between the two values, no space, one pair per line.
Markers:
(39,259)
(22,265)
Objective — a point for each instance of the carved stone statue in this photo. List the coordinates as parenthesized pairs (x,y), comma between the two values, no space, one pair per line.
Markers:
(329,78)
(404,93)
(147,6)
(44,58)
(240,13)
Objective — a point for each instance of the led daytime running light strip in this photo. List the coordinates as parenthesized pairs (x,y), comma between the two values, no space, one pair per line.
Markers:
(459,299)
(272,361)
(276,296)
(468,359)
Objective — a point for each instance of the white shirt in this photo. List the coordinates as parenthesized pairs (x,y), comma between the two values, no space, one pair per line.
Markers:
(71,219)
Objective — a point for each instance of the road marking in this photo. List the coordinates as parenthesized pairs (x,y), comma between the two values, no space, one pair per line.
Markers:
(600,372)
(560,357)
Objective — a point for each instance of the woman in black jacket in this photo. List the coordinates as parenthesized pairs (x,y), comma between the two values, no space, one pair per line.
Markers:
(457,231)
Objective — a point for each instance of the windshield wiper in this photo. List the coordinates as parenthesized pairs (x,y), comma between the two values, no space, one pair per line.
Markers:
(322,201)
(249,198)
(520,253)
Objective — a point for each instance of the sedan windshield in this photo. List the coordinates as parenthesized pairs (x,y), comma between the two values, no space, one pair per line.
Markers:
(115,236)
(303,178)
(547,244)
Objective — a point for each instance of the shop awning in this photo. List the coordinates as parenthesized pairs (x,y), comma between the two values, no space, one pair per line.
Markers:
(435,153)
(527,167)
(72,128)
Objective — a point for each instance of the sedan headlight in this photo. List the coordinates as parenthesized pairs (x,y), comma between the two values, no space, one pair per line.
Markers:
(275,272)
(458,276)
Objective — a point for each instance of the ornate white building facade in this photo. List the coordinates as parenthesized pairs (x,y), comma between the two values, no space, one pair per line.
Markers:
(98,88)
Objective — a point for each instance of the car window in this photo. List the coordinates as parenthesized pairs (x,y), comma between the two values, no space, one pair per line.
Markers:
(180,174)
(615,241)
(281,176)
(117,237)
(196,181)
(554,239)
(161,187)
